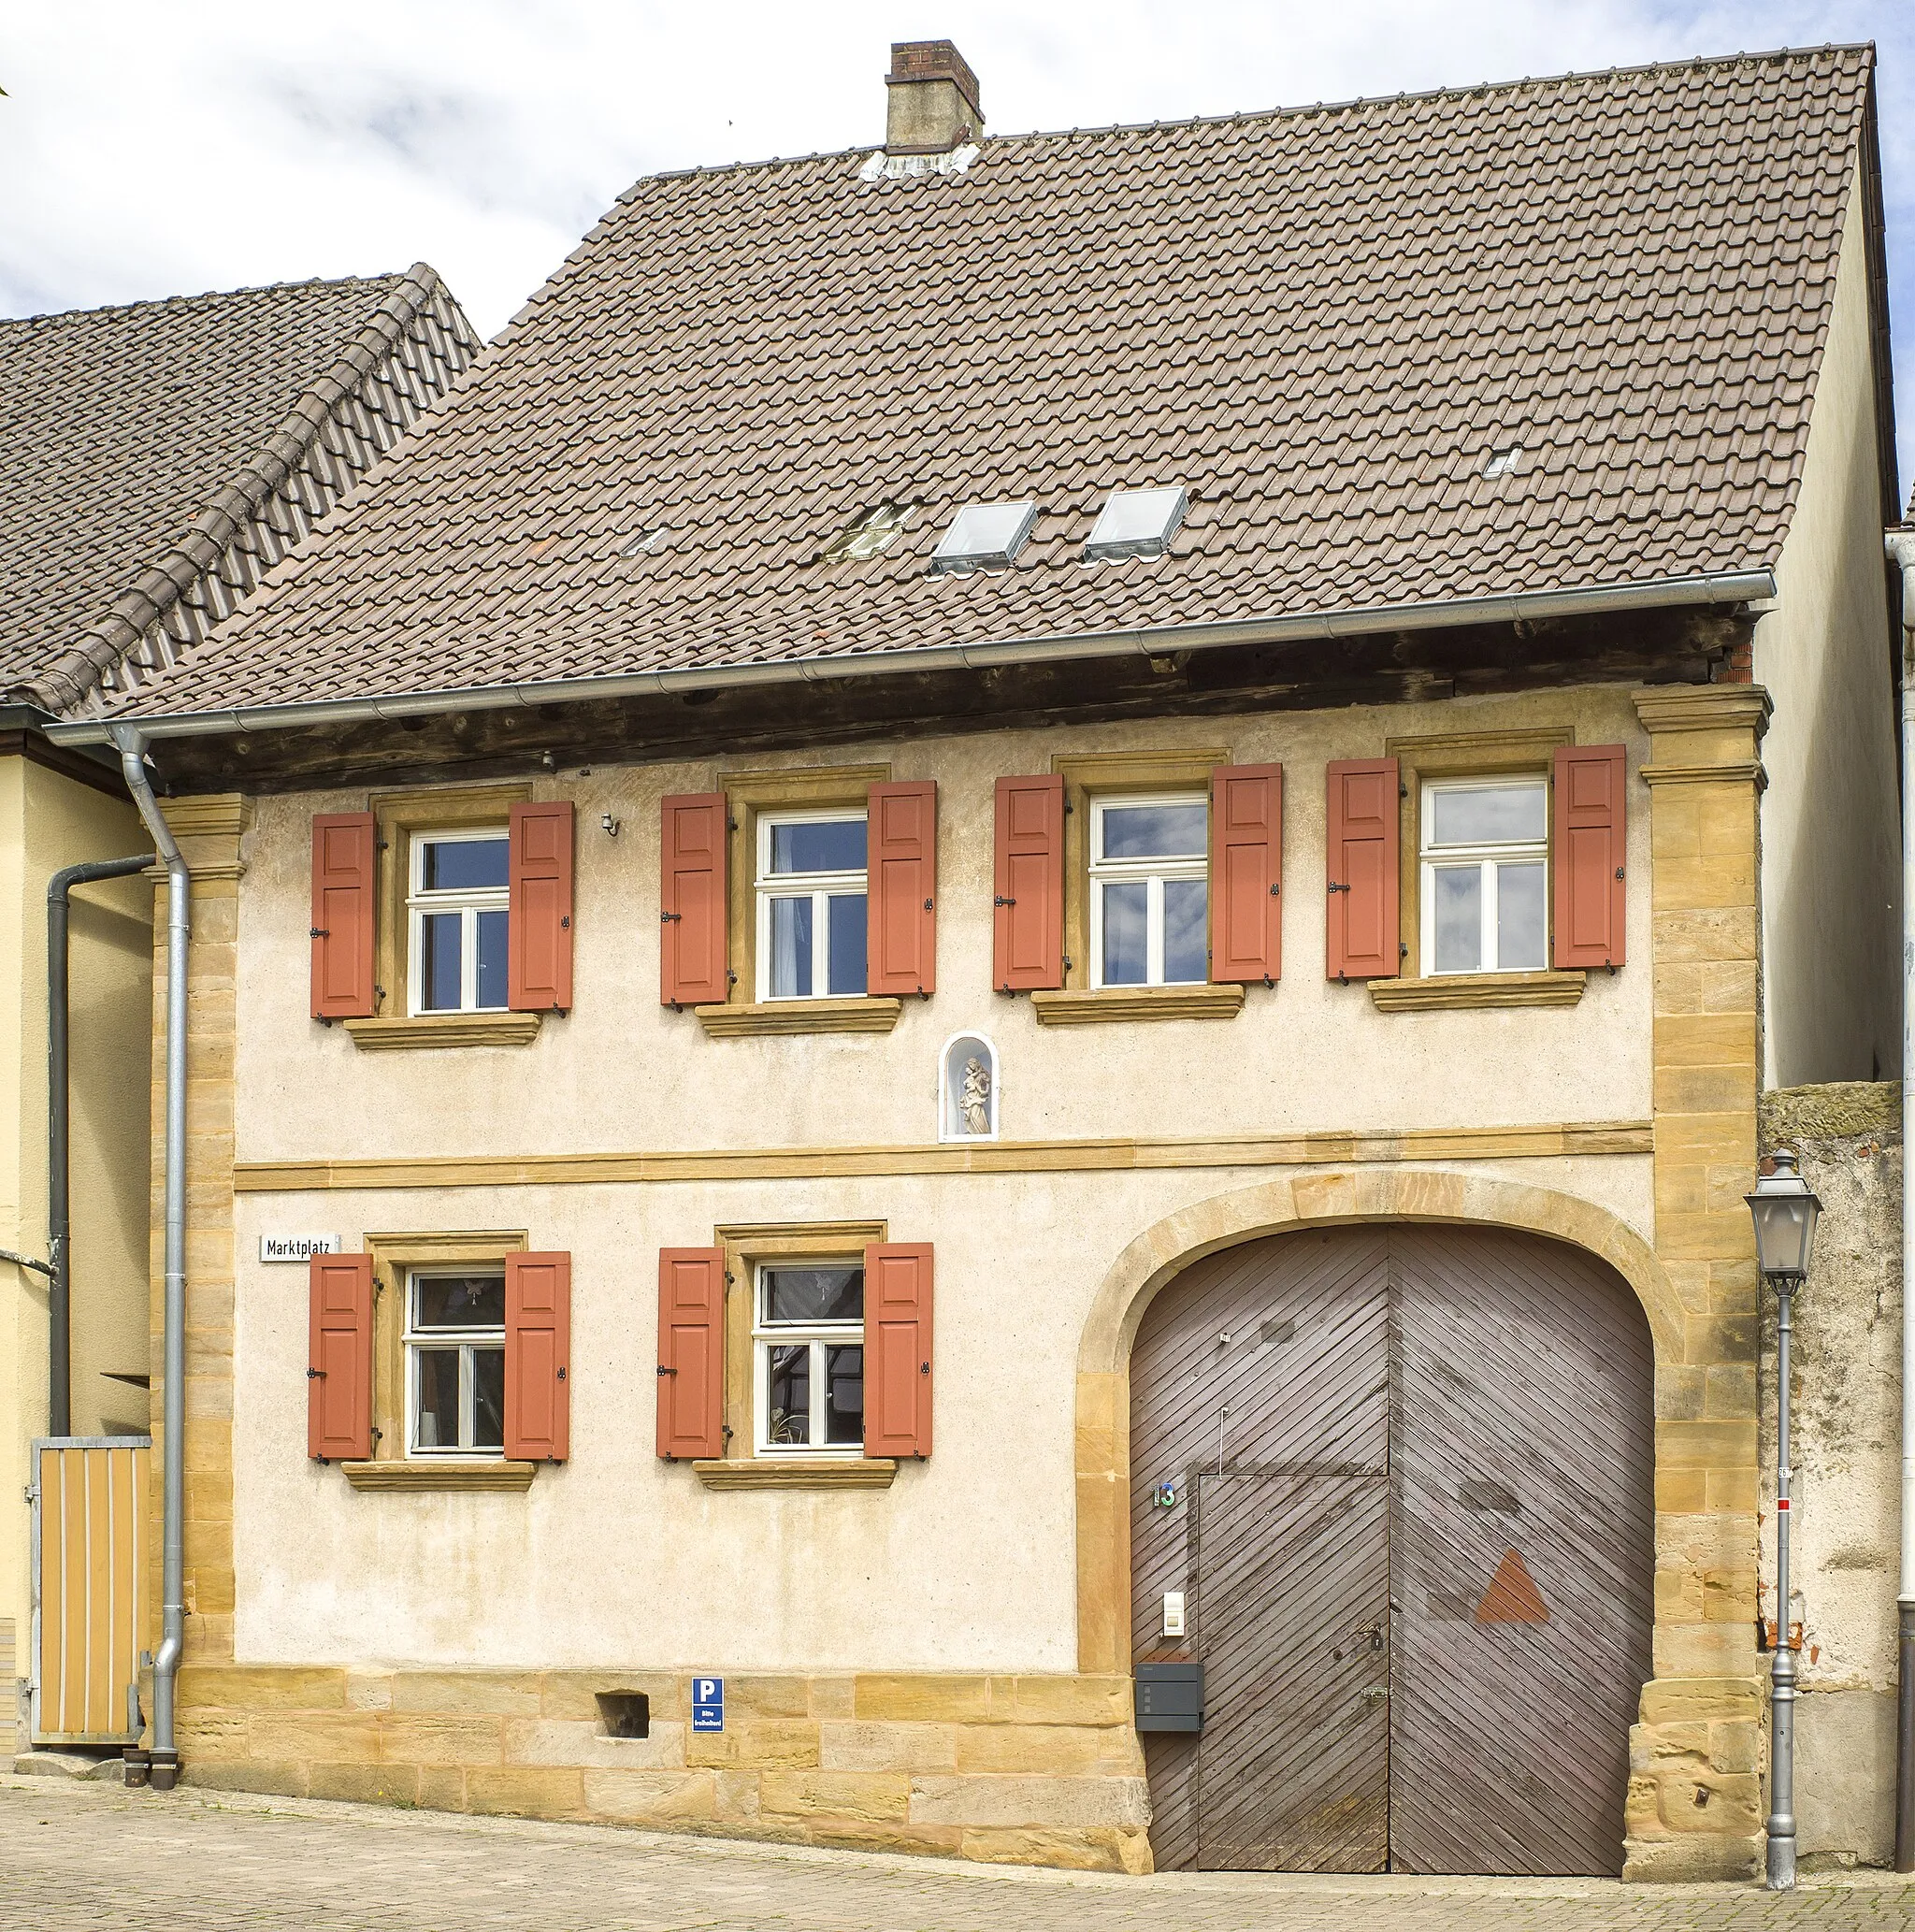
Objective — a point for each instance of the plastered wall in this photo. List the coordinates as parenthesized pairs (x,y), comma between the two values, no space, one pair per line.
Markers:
(968,1561)
(1846,1416)
(1830,842)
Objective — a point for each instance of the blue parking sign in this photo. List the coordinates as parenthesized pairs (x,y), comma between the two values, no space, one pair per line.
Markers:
(707,1703)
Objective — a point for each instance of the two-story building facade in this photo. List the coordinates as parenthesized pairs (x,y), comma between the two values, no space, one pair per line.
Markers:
(1011,924)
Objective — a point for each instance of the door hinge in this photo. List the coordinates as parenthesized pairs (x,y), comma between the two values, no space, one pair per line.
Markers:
(33,1494)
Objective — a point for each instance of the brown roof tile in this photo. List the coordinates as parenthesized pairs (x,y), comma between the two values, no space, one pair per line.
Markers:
(155,458)
(1322,321)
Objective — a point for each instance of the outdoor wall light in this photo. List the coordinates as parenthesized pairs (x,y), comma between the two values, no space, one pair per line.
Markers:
(1784,1209)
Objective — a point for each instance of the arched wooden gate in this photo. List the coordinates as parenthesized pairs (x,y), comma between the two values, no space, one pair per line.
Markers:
(1403,1476)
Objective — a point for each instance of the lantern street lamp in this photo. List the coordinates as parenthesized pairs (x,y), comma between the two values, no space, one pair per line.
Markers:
(1784,1210)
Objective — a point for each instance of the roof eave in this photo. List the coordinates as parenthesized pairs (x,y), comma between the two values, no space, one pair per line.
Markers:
(1714,588)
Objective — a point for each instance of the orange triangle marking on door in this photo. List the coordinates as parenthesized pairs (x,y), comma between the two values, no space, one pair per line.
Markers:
(1512,1596)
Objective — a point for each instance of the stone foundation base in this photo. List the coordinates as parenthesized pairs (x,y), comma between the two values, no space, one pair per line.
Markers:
(1027,1770)
(1696,1798)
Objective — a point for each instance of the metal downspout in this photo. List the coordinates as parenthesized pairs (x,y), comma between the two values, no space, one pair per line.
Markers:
(165,1753)
(1901,549)
(59,1191)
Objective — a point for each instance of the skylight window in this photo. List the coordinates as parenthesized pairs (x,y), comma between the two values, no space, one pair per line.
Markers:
(870,533)
(983,537)
(1503,462)
(646,541)
(1136,523)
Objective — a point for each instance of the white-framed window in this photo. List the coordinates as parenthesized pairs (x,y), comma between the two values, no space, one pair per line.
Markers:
(1150,890)
(808,1337)
(1484,862)
(454,1362)
(455,908)
(812,903)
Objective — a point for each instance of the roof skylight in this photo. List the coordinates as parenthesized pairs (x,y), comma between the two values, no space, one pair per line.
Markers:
(983,537)
(1503,462)
(1136,523)
(870,533)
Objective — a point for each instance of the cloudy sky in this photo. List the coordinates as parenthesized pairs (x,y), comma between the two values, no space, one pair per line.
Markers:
(160,149)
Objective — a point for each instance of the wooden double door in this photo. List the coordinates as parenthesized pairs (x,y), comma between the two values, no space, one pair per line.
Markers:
(1401,1475)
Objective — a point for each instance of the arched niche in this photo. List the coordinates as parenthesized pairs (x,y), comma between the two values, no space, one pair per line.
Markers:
(956,1095)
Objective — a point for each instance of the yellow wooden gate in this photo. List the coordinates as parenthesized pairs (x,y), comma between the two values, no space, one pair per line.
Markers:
(90,1553)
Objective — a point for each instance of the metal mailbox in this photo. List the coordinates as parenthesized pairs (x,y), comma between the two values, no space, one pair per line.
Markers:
(1170,1696)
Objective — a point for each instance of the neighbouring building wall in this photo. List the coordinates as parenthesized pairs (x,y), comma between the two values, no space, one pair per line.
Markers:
(1846,1416)
(1830,843)
(48,821)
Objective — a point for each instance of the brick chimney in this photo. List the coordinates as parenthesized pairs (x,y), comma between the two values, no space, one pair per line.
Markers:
(933,99)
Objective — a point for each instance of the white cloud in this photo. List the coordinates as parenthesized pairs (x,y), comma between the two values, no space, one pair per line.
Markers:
(156,149)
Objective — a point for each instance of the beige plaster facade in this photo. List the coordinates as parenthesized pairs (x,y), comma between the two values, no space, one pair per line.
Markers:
(1826,653)
(50,820)
(939,1664)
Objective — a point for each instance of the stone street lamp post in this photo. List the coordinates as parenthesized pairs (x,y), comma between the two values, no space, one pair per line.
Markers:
(1784,1210)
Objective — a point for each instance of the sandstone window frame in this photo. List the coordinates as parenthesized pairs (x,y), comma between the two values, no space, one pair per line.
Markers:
(400,819)
(1517,752)
(1119,774)
(394,1255)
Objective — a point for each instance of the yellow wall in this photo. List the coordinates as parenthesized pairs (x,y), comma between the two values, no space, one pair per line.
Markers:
(48,821)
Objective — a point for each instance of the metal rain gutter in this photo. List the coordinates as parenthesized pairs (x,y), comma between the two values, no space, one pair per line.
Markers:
(165,1753)
(1728,587)
(1900,545)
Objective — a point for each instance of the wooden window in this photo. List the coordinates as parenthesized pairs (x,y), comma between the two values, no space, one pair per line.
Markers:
(422,1309)
(1149,883)
(474,919)
(453,1342)
(811,904)
(1484,902)
(808,1370)
(458,917)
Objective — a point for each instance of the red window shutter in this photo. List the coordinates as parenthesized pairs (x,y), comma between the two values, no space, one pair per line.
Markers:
(538,1357)
(1363,855)
(691,1352)
(1027,941)
(539,933)
(343,849)
(897,1349)
(691,947)
(339,1367)
(902,834)
(1589,836)
(1246,874)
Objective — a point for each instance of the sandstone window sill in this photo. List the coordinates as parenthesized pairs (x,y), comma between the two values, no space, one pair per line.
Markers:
(859,1014)
(1460,991)
(444,1029)
(414,1478)
(1115,1004)
(797,1473)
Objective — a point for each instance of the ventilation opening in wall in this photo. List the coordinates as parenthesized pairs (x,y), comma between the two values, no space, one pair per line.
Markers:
(625,1714)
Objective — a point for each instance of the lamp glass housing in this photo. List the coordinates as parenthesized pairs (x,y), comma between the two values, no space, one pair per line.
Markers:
(1784,1209)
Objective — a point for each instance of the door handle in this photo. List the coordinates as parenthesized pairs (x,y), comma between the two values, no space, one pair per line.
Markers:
(1375,1695)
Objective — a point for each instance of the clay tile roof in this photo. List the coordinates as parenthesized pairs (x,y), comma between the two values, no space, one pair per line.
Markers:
(156,459)
(1322,321)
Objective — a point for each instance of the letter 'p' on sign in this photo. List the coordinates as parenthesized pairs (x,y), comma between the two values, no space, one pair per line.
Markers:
(707,1703)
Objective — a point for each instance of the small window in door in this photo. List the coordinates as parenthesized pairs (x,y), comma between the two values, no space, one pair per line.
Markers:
(1485,875)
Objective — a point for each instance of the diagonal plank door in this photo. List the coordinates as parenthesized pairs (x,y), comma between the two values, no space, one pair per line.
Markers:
(1523,1543)
(1293,1614)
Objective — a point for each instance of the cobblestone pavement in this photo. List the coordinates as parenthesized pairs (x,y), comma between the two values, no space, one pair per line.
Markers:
(96,1856)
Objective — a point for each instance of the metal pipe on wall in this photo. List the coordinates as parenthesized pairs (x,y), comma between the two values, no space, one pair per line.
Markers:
(59,1189)
(1901,549)
(165,1753)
